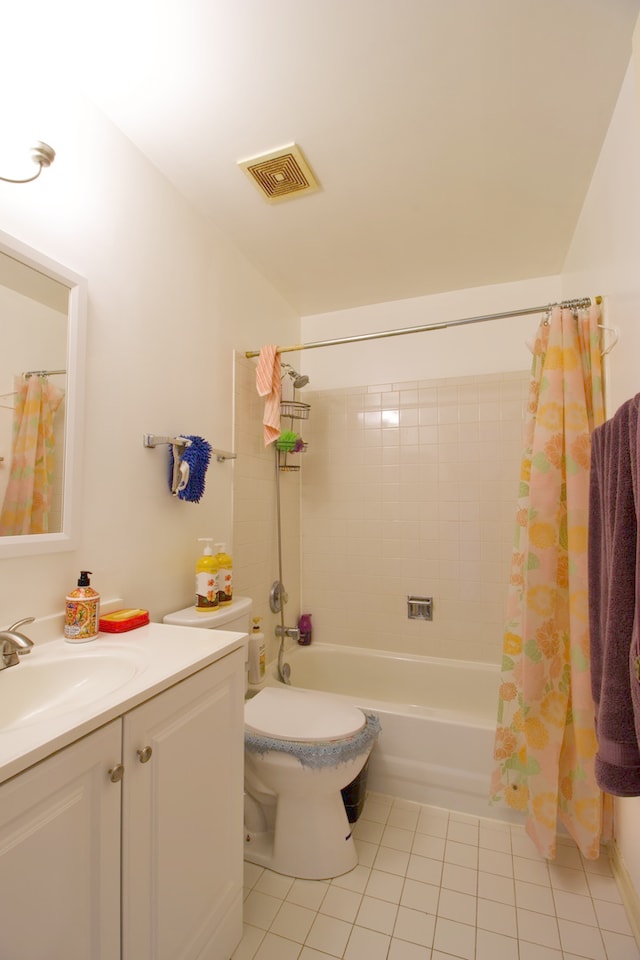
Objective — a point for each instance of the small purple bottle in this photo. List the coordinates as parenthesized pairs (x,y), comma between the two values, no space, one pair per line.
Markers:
(304,626)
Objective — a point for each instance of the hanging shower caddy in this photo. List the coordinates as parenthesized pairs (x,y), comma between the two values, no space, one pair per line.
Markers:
(293,410)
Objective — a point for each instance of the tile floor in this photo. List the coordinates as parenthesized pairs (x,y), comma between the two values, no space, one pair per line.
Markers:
(434,885)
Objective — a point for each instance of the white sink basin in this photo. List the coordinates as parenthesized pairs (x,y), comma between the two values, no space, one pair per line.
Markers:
(35,689)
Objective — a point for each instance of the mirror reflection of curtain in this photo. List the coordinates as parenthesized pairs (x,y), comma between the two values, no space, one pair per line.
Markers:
(27,502)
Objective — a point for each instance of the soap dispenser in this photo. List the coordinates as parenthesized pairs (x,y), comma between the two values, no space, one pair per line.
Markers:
(82,612)
(206,579)
(225,576)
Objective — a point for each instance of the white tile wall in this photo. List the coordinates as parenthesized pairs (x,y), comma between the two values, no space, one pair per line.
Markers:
(410,488)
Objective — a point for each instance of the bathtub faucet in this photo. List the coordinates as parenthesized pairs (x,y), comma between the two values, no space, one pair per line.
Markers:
(292,632)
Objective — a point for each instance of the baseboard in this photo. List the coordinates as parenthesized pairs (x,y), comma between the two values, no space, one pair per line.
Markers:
(630,896)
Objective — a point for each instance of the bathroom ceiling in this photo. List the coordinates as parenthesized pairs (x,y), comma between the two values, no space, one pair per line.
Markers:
(453,140)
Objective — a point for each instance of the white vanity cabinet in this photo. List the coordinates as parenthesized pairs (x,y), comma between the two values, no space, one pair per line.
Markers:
(146,867)
(60,855)
(182,817)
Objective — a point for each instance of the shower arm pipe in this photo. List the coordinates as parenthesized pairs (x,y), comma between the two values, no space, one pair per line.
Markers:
(358,338)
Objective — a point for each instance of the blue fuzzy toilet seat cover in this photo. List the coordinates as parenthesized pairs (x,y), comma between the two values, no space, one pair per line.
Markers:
(322,753)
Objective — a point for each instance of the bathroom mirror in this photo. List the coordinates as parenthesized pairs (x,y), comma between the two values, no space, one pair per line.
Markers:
(42,320)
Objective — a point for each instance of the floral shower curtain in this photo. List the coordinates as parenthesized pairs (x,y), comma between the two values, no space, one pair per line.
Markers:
(545,741)
(27,501)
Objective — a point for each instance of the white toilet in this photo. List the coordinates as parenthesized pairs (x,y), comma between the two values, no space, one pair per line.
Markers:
(301,749)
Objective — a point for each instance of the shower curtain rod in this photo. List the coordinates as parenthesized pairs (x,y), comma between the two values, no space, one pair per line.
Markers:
(583,302)
(41,373)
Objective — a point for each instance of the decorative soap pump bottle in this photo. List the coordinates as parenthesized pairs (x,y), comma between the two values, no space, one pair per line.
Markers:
(82,611)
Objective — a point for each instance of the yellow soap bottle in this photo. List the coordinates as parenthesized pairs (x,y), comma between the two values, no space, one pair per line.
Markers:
(225,575)
(82,611)
(206,579)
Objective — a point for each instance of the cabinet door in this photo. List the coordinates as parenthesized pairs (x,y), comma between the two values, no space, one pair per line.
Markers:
(60,855)
(182,818)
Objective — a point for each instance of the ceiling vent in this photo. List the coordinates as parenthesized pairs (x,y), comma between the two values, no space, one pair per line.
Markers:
(281,174)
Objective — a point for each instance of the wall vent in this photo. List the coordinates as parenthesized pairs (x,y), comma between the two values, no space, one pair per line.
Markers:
(281,174)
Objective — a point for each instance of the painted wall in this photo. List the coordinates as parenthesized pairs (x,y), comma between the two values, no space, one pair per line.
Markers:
(169,300)
(605,254)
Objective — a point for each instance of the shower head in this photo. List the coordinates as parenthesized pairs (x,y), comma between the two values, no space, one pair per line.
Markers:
(299,380)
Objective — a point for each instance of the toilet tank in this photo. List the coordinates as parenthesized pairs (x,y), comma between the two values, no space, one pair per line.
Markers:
(234,616)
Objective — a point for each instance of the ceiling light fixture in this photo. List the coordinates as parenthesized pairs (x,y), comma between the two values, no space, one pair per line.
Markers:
(43,155)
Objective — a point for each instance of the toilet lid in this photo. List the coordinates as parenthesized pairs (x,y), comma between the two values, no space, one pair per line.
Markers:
(290,714)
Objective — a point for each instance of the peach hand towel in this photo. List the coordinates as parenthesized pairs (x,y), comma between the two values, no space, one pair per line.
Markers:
(269,386)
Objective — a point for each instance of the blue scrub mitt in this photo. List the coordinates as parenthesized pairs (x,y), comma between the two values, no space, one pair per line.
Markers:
(191,467)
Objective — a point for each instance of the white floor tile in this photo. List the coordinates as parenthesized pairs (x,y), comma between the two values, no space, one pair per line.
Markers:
(533,896)
(582,940)
(462,879)
(356,879)
(620,947)
(329,935)
(420,896)
(455,938)
(276,948)
(274,884)
(341,904)
(433,885)
(497,917)
(391,861)
(538,928)
(457,906)
(573,906)
(414,926)
(495,946)
(384,886)
(403,950)
(307,893)
(260,909)
(252,937)
(426,846)
(425,869)
(397,838)
(612,916)
(293,922)
(367,945)
(379,915)
(463,854)
(492,887)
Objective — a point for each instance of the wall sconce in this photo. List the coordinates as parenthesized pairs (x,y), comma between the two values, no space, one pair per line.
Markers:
(43,155)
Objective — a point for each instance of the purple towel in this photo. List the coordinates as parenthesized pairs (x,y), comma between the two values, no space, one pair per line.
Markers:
(613,569)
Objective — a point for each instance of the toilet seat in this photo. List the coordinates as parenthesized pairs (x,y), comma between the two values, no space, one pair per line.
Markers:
(302,716)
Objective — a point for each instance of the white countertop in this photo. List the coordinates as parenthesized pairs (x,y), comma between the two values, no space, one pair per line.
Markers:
(161,655)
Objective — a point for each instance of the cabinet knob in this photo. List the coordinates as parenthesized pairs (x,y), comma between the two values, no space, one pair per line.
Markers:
(116,773)
(144,755)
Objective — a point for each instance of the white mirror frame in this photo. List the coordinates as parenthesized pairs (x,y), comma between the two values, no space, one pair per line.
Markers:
(67,539)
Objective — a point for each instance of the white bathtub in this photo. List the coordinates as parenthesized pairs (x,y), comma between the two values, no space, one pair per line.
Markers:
(438,719)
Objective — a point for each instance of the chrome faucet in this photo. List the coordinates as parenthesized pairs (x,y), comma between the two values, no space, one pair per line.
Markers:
(13,644)
(292,632)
